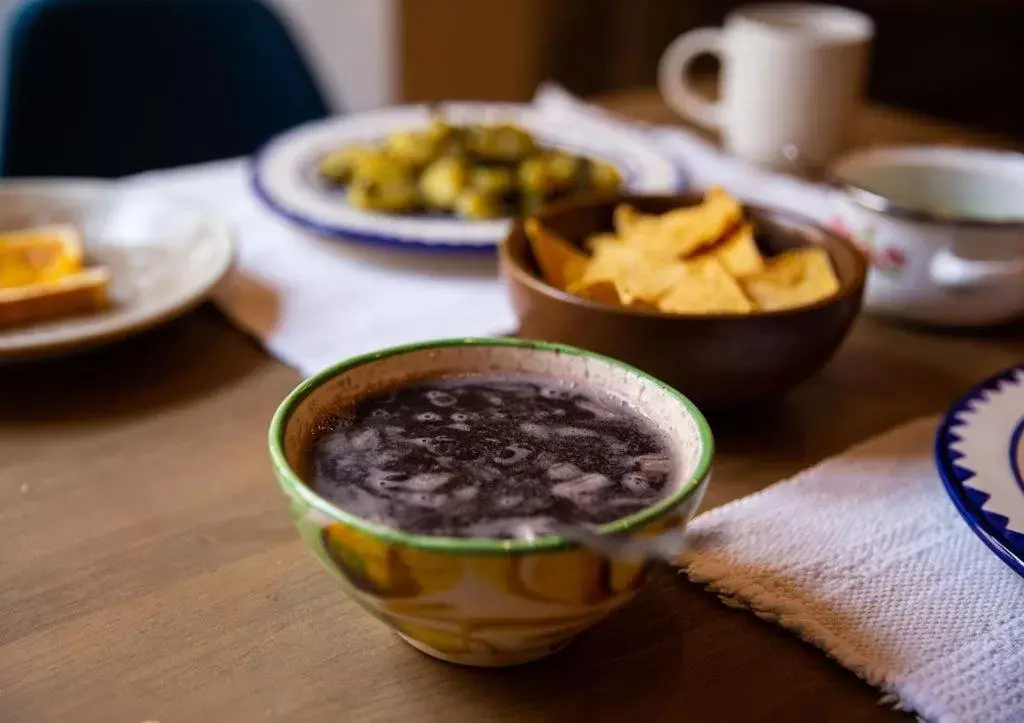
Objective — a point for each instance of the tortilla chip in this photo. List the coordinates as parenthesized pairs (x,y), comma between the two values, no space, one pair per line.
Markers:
(791,279)
(603,290)
(738,252)
(561,263)
(701,259)
(647,285)
(635,275)
(706,288)
(595,243)
(625,218)
(712,220)
(598,281)
(683,232)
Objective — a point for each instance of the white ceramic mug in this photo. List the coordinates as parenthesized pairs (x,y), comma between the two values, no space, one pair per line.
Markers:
(791,81)
(943,228)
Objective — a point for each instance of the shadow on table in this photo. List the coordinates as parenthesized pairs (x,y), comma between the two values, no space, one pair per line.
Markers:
(675,653)
(1006,330)
(876,381)
(188,357)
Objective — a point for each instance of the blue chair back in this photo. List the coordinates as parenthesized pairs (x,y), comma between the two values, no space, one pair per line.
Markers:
(111,87)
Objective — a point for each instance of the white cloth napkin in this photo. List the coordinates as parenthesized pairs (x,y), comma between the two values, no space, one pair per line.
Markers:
(865,557)
(314,301)
(704,164)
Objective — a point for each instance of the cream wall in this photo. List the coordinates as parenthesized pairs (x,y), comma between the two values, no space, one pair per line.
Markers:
(353,46)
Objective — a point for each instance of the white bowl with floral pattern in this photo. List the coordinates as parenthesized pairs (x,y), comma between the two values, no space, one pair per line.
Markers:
(943,228)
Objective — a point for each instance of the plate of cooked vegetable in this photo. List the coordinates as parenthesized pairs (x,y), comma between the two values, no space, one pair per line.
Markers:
(450,176)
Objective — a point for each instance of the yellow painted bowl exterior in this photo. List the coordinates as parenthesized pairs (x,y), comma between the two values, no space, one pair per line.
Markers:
(477,609)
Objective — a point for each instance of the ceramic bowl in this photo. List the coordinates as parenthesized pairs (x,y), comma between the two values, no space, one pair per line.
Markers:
(943,228)
(717,360)
(477,601)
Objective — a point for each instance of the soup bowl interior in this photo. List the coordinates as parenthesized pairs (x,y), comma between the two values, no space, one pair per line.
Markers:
(943,183)
(481,601)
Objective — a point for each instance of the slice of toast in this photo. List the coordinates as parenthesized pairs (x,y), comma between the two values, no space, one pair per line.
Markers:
(78,293)
(42,276)
(39,255)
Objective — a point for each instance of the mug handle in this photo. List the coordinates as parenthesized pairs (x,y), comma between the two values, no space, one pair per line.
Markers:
(672,82)
(953,272)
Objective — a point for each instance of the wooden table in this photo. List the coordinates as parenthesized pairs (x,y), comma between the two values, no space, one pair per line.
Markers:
(149,570)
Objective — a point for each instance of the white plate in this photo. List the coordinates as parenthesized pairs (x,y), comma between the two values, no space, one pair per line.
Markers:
(980,456)
(164,256)
(285,171)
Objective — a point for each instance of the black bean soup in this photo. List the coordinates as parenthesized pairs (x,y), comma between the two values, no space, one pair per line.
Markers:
(489,456)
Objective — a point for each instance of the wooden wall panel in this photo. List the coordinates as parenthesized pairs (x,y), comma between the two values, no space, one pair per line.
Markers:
(501,49)
(470,49)
(961,61)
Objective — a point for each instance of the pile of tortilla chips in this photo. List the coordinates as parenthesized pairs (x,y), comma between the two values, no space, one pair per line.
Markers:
(697,260)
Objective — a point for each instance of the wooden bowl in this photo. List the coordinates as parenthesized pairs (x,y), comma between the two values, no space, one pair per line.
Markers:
(718,360)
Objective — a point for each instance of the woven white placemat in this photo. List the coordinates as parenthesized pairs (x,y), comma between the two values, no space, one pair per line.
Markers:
(865,557)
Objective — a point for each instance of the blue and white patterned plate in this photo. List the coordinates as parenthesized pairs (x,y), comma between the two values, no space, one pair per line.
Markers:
(980,455)
(285,175)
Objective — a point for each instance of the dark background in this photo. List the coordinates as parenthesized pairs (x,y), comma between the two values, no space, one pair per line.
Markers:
(957,59)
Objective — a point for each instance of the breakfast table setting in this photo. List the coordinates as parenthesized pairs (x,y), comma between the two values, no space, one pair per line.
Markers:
(822,323)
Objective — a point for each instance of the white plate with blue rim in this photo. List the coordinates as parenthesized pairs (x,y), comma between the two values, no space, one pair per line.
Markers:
(979,451)
(285,177)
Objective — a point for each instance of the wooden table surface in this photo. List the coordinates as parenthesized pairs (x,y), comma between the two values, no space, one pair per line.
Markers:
(149,570)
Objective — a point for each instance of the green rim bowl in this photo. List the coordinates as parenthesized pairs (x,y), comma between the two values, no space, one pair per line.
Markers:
(541,592)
